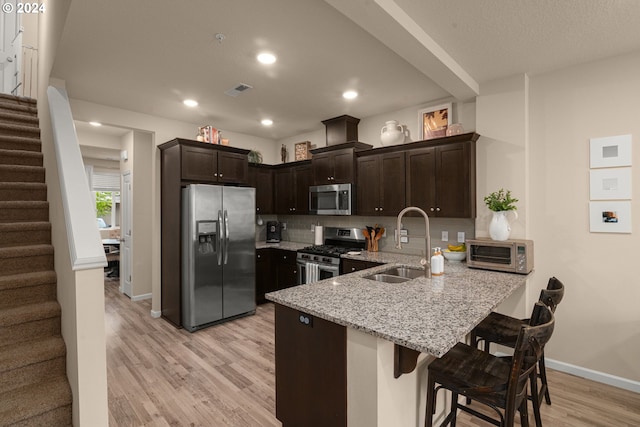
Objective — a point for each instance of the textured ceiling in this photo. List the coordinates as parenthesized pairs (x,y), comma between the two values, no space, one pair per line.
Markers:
(148,55)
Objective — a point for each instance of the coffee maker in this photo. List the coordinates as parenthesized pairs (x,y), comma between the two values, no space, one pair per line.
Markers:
(274,232)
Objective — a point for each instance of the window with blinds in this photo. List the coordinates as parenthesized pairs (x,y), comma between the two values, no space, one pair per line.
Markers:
(105,181)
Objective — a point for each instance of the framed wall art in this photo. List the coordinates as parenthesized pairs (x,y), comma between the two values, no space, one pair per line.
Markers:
(435,120)
(610,217)
(610,151)
(610,184)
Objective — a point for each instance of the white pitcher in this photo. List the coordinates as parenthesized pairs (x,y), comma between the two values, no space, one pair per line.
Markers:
(392,133)
(499,227)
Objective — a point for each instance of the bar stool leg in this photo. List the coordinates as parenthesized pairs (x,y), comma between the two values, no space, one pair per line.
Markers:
(543,377)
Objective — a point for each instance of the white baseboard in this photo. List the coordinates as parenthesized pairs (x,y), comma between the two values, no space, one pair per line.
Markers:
(590,374)
(597,376)
(141,297)
(156,314)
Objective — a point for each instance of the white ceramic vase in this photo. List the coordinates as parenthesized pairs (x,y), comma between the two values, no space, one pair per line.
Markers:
(499,227)
(392,133)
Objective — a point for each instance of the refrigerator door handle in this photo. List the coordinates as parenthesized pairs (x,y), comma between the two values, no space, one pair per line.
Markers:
(226,236)
(219,238)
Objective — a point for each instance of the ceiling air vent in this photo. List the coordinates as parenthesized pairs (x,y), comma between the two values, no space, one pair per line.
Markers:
(238,89)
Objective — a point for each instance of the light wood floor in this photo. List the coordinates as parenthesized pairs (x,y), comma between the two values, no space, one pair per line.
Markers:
(224,376)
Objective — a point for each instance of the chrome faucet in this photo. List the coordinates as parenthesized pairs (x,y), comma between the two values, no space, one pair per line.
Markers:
(427,238)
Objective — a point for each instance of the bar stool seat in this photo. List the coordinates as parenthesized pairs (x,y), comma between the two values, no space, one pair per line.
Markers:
(500,383)
(501,329)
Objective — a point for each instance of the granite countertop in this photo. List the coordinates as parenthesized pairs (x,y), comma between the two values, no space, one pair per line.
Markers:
(288,246)
(426,315)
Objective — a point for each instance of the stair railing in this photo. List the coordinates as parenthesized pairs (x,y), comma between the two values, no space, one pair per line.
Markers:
(85,245)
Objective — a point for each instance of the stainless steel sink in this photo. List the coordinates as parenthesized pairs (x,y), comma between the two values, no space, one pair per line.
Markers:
(396,275)
(410,273)
(387,278)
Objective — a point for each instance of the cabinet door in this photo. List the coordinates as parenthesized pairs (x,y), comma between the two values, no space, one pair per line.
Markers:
(453,181)
(265,280)
(285,191)
(343,166)
(368,187)
(302,180)
(262,180)
(232,168)
(321,169)
(286,268)
(350,265)
(392,184)
(311,370)
(420,179)
(199,164)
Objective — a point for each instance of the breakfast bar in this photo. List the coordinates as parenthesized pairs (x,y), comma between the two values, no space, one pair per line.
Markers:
(391,332)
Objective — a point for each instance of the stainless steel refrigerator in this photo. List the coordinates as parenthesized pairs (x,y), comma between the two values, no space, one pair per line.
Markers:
(218,254)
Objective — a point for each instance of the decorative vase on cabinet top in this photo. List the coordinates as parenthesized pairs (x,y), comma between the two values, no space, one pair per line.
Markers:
(499,227)
(392,133)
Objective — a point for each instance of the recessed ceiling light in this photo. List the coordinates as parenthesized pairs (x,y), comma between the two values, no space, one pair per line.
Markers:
(95,124)
(190,103)
(350,94)
(267,58)
(267,122)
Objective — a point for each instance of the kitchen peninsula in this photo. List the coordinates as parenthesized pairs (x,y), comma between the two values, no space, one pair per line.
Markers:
(347,347)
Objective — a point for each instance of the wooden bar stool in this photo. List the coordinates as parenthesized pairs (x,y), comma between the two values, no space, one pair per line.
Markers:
(503,330)
(500,383)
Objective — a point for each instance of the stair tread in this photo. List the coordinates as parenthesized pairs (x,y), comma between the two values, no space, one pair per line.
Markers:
(18,99)
(23,280)
(29,313)
(30,352)
(23,185)
(31,119)
(21,153)
(26,250)
(24,226)
(20,127)
(32,400)
(21,167)
(28,204)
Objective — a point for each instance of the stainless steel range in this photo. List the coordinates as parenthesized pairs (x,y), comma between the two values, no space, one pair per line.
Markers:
(320,262)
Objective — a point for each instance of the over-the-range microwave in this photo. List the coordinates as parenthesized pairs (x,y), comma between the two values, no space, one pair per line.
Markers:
(512,256)
(334,199)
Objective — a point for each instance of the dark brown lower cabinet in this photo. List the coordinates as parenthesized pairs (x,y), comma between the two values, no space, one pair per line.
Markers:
(265,281)
(350,265)
(311,370)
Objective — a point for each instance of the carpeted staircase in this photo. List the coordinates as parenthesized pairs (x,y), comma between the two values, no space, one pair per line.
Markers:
(34,390)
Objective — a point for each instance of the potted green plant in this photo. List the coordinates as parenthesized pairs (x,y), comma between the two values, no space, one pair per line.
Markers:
(501,200)
(500,203)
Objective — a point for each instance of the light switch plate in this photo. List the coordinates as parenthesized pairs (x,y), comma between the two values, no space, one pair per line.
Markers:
(445,236)
(460,236)
(284,225)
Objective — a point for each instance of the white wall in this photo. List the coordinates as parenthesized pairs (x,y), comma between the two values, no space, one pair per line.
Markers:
(162,130)
(599,320)
(535,141)
(369,127)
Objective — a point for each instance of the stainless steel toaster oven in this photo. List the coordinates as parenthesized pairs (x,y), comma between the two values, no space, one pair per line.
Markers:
(512,256)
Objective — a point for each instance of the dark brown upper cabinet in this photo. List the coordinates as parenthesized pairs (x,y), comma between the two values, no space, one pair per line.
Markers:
(381,184)
(209,163)
(292,183)
(336,164)
(441,177)
(261,178)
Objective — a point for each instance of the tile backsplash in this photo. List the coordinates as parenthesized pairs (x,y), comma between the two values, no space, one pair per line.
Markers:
(299,229)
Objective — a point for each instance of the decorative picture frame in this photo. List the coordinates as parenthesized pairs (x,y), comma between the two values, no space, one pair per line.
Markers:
(610,217)
(302,150)
(610,184)
(435,120)
(610,151)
